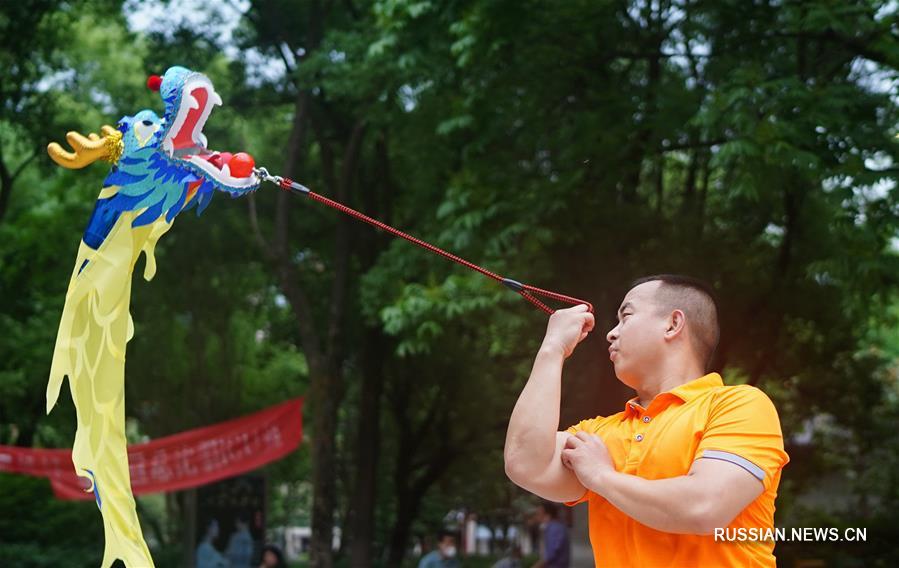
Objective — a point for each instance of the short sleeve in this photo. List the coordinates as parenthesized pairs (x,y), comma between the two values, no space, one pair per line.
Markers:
(594,426)
(744,429)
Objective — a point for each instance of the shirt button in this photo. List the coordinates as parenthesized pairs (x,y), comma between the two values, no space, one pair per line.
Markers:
(646,419)
(638,437)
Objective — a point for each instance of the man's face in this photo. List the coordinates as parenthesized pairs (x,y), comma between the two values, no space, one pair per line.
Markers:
(635,344)
(447,547)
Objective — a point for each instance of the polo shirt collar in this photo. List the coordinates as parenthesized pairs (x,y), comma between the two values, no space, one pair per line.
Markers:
(685,392)
(696,387)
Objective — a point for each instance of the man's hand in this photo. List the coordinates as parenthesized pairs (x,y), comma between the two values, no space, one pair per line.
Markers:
(567,328)
(586,455)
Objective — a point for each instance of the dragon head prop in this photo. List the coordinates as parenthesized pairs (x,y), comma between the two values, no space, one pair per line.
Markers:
(162,164)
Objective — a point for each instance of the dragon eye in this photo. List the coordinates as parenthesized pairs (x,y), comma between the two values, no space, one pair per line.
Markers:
(144,130)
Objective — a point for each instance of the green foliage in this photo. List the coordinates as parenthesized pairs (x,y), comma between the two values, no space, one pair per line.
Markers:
(37,530)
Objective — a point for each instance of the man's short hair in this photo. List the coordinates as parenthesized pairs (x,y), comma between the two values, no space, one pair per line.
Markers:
(551,509)
(697,300)
(444,533)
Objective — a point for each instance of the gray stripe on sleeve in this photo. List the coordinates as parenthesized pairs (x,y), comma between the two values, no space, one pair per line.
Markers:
(735,459)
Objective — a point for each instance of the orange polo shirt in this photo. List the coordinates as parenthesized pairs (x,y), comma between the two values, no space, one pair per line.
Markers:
(699,419)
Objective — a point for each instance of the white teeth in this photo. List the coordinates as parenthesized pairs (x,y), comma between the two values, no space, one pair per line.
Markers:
(189,103)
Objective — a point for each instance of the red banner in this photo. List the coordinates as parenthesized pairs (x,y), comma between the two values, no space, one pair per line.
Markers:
(185,460)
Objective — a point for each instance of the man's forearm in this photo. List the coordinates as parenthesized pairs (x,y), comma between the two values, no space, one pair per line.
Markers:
(672,505)
(531,438)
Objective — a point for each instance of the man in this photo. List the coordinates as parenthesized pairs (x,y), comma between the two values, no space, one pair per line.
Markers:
(512,559)
(556,548)
(686,456)
(445,554)
(207,554)
(240,545)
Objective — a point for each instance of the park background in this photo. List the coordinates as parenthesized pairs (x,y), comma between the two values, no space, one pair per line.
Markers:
(573,145)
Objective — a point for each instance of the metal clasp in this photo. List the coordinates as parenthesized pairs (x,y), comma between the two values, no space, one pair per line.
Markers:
(263,174)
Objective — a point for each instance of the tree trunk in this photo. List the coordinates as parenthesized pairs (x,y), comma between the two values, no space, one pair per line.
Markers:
(188,506)
(362,523)
(405,510)
(399,536)
(323,402)
(412,456)
(7,179)
(377,202)
(325,391)
(643,138)
(411,492)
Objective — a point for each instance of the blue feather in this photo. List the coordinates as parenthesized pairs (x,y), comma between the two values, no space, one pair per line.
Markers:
(106,213)
(149,215)
(176,208)
(119,177)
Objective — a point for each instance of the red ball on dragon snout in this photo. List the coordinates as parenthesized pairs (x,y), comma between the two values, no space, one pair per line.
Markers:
(241,165)
(154,82)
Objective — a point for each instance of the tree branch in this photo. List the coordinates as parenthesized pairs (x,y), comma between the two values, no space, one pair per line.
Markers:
(6,181)
(342,237)
(301,305)
(294,146)
(264,247)
(24,164)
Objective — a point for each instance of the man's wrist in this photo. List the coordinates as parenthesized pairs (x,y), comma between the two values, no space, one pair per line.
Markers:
(600,481)
(551,348)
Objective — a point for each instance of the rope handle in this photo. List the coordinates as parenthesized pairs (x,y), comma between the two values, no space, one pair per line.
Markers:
(526,291)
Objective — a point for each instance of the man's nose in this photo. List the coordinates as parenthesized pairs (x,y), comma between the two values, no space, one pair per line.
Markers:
(612,335)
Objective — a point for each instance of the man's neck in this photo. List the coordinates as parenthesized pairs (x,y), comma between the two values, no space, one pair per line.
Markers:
(665,381)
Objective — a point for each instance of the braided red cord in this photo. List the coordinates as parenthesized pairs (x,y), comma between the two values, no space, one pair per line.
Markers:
(526,291)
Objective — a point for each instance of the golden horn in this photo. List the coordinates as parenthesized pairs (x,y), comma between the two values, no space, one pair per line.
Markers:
(87,150)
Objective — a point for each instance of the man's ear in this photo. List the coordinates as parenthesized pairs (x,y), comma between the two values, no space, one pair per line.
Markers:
(676,323)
